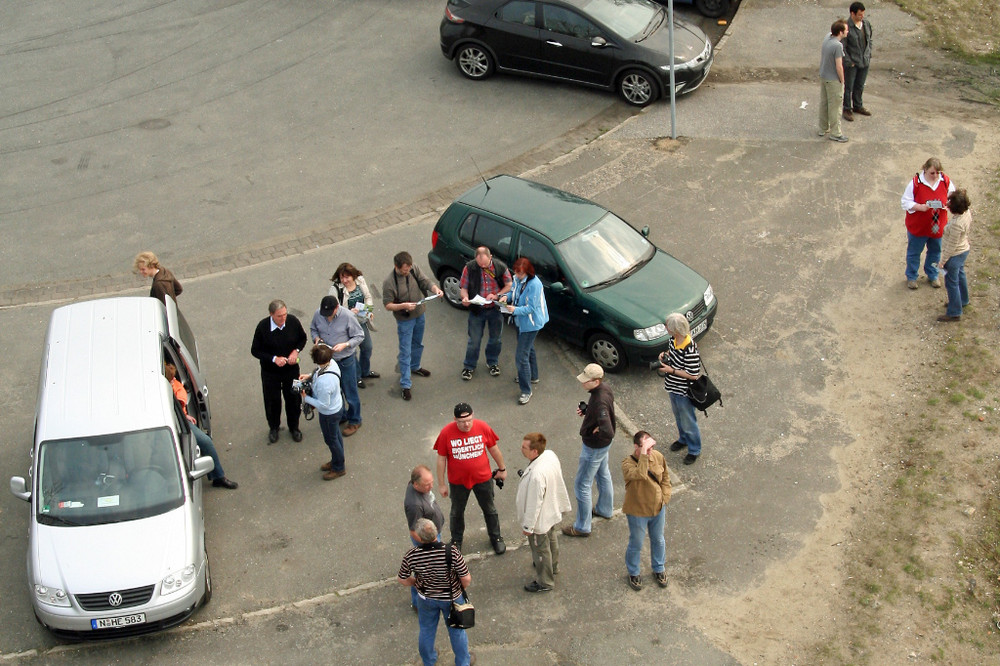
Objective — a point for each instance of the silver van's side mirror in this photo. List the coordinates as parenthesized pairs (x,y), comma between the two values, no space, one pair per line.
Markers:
(20,488)
(202,466)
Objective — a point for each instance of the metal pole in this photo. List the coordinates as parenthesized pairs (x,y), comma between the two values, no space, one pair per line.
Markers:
(670,47)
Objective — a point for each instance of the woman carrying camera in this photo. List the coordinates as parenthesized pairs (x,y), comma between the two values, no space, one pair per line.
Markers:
(680,365)
(325,397)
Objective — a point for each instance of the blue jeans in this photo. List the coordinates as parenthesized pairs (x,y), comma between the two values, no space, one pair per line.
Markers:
(411,347)
(956,284)
(207,449)
(914,247)
(688,433)
(365,353)
(524,358)
(593,464)
(329,425)
(477,322)
(638,526)
(428,613)
(349,381)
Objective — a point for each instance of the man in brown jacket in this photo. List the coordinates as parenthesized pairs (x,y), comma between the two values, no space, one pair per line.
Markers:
(647,491)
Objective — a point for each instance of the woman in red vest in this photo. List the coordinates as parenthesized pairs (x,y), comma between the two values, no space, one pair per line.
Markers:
(925,202)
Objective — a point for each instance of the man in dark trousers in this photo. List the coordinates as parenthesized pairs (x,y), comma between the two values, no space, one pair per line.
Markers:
(857,58)
(276,344)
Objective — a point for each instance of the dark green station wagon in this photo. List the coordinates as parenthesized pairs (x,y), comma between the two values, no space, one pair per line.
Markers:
(607,287)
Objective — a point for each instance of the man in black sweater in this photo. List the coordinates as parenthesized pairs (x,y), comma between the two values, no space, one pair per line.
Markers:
(276,344)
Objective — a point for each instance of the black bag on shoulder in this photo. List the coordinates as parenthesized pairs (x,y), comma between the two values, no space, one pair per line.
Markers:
(703,393)
(462,615)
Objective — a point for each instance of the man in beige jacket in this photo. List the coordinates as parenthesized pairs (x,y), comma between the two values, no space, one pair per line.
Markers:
(647,491)
(542,499)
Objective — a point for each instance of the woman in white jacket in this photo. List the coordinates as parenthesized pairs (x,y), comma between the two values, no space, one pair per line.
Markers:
(541,501)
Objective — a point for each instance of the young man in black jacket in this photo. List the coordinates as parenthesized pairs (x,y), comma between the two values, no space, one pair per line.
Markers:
(596,431)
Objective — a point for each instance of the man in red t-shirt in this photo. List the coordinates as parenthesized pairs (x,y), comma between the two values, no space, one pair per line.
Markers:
(462,447)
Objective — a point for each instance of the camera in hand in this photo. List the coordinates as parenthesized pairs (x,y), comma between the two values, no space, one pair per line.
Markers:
(499,482)
(299,385)
(582,407)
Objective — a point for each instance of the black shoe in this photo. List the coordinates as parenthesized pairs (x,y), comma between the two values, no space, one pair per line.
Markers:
(225,483)
(272,436)
(594,513)
(635,582)
(297,435)
(406,394)
(499,547)
(677,446)
(661,578)
(533,586)
(689,459)
(422,372)
(372,375)
(361,383)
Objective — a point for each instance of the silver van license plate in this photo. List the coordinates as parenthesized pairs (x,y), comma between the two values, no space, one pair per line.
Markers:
(116,622)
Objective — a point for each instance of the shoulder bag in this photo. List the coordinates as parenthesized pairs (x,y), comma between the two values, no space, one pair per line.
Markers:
(462,615)
(703,393)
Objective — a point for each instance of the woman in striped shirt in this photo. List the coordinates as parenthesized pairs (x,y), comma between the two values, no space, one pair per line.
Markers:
(680,365)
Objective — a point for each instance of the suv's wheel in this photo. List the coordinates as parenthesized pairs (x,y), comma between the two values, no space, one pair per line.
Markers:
(449,285)
(712,8)
(208,583)
(637,87)
(474,61)
(607,352)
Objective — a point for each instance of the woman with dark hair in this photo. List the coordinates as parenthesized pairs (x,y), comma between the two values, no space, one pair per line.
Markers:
(954,251)
(527,304)
(350,288)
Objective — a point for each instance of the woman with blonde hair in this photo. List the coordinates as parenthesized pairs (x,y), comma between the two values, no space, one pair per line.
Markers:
(680,365)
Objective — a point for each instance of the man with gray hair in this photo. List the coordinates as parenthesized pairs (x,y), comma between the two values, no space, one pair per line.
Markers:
(438,582)
(418,504)
(277,342)
(488,278)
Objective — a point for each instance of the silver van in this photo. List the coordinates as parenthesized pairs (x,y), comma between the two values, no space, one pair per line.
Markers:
(116,538)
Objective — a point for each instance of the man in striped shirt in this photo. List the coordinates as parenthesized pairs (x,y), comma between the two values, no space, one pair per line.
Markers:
(426,568)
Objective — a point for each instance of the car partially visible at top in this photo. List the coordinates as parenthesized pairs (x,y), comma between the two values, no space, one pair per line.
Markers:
(619,45)
(608,289)
(709,8)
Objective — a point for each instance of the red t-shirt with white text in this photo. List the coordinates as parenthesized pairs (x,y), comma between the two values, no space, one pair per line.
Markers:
(468,463)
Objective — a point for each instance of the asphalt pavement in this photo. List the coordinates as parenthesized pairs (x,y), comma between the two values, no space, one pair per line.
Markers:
(748,196)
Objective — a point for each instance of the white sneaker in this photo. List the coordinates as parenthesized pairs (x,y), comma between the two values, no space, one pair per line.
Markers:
(523,400)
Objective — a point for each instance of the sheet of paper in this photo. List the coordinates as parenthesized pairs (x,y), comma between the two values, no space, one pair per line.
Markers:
(427,298)
(478,300)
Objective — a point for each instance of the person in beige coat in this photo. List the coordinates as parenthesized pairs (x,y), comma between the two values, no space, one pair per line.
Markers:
(647,491)
(541,501)
(954,251)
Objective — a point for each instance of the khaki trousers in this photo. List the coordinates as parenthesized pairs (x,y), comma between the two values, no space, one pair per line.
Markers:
(830,98)
(545,556)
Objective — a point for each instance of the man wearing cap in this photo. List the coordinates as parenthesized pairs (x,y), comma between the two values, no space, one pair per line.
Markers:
(596,431)
(277,341)
(335,327)
(462,447)
(486,277)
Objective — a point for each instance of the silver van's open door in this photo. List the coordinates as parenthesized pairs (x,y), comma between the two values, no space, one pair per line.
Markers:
(182,340)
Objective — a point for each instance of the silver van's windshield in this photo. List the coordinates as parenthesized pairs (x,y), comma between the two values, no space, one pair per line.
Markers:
(108,479)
